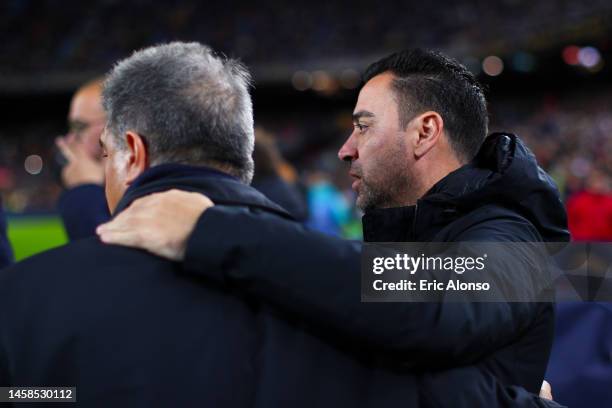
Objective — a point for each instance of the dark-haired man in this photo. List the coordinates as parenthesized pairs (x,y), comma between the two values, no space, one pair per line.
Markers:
(424,171)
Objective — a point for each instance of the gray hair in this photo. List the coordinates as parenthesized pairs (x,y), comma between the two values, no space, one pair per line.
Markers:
(190,106)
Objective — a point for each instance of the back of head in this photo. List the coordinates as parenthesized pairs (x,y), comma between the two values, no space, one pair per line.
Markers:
(190,105)
(427,80)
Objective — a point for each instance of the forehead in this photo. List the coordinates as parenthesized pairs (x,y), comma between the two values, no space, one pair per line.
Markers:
(377,96)
(86,105)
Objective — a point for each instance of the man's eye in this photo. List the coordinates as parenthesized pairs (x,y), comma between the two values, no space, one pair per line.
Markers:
(360,126)
(77,127)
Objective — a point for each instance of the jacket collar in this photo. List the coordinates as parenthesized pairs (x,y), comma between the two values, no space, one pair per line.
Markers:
(436,209)
(220,187)
(504,173)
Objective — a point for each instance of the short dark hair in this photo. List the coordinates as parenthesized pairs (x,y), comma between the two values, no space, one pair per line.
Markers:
(428,80)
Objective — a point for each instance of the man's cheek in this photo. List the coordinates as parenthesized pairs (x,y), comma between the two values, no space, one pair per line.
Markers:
(93,147)
(107,169)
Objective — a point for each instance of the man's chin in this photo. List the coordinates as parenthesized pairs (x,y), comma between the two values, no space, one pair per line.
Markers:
(368,199)
(363,203)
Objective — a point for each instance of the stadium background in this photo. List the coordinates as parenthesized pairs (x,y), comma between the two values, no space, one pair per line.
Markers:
(546,64)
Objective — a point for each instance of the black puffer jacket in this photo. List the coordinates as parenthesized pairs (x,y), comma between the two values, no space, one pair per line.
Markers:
(460,354)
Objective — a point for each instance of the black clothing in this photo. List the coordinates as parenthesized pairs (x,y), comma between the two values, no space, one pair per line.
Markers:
(128,330)
(82,209)
(286,195)
(502,196)
(6,253)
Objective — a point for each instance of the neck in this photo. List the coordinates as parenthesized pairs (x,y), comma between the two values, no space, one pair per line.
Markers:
(430,173)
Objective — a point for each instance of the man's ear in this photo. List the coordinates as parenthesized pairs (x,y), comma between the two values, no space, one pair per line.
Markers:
(138,156)
(429,126)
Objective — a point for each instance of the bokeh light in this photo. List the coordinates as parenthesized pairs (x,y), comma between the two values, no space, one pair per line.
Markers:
(33,164)
(493,65)
(301,80)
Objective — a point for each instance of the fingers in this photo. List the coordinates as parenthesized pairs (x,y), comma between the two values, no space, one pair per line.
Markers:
(118,231)
(129,219)
(127,229)
(160,223)
(546,391)
(120,237)
(65,148)
(134,232)
(73,149)
(80,167)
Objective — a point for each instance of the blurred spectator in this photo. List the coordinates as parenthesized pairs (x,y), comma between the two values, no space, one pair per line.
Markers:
(6,254)
(329,209)
(77,36)
(590,211)
(580,365)
(570,134)
(276,178)
(82,205)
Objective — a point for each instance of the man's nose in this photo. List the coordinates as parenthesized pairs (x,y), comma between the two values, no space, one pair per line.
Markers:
(348,152)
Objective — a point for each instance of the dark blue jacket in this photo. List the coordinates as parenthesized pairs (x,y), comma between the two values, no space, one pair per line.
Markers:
(501,196)
(128,330)
(82,209)
(287,195)
(6,253)
(580,368)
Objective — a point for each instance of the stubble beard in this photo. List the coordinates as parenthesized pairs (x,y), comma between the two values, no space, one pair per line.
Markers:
(394,190)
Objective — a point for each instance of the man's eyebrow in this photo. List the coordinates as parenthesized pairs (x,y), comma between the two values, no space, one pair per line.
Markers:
(362,114)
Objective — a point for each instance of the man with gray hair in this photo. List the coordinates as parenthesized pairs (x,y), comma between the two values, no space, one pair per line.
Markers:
(122,326)
(180,104)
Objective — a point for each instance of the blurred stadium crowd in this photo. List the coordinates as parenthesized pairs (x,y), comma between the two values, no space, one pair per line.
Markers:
(77,38)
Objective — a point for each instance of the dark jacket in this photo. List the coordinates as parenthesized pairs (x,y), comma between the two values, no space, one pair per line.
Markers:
(82,209)
(287,195)
(580,368)
(127,329)
(6,253)
(501,196)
